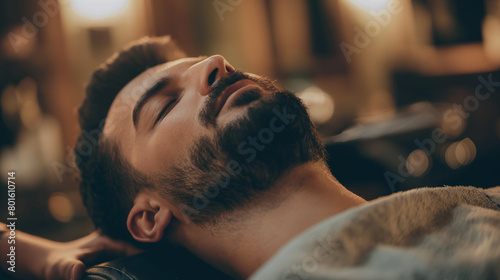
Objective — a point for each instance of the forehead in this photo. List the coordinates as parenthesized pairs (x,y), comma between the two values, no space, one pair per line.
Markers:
(119,117)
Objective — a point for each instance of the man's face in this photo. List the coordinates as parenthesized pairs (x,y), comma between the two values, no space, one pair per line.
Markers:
(153,138)
(214,137)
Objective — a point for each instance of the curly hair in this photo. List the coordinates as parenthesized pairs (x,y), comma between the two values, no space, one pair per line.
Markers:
(108,183)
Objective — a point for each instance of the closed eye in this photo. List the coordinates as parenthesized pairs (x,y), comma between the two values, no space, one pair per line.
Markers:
(170,105)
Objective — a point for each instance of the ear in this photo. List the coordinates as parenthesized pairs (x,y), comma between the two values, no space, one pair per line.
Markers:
(148,218)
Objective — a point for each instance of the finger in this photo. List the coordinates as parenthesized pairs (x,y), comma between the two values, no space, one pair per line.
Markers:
(104,243)
(131,250)
(64,270)
(67,269)
(126,247)
(86,239)
(98,255)
(77,271)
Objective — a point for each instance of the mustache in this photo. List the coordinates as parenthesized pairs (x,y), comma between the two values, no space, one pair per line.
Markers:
(206,115)
(224,82)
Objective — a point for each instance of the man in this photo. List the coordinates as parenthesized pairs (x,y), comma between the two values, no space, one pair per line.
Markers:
(203,156)
(229,166)
(189,151)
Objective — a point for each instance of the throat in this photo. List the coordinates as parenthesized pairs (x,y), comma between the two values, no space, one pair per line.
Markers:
(239,245)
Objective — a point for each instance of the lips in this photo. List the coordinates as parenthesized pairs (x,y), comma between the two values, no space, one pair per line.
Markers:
(229,91)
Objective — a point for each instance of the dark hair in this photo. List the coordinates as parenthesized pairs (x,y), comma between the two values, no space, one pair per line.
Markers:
(108,183)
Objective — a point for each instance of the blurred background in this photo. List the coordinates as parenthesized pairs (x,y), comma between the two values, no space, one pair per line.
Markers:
(404,93)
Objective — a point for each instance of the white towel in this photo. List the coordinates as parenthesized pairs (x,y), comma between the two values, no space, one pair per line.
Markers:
(447,233)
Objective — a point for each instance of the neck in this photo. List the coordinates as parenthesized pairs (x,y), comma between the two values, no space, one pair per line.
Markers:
(240,248)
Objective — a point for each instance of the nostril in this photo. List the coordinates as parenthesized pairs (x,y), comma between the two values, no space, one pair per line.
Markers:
(211,77)
(228,69)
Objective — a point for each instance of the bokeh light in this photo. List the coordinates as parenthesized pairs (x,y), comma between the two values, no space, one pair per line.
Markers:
(418,163)
(320,104)
(371,4)
(99,9)
(454,123)
(60,207)
(460,153)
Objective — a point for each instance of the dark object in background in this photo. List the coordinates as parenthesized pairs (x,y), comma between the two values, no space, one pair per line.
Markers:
(456,22)
(477,94)
(370,158)
(362,161)
(175,265)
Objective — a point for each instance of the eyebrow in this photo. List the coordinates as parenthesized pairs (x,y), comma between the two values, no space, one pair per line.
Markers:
(156,88)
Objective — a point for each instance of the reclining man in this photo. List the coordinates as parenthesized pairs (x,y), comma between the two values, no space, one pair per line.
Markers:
(229,166)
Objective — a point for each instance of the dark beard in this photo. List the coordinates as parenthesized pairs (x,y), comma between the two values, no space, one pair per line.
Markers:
(207,116)
(243,161)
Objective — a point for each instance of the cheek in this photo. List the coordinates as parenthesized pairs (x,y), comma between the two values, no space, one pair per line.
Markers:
(181,126)
(171,141)
(172,138)
(177,132)
(160,151)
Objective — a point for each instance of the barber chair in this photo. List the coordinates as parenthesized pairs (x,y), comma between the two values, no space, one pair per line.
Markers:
(155,266)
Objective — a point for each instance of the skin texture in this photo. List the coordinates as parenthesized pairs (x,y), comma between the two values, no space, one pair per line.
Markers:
(257,230)
(146,148)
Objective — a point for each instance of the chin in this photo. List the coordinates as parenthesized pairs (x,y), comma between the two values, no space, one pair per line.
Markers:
(231,116)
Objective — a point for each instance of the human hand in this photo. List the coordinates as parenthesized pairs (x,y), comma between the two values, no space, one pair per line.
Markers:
(69,260)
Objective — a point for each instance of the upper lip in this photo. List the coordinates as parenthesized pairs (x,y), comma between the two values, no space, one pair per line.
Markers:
(228,91)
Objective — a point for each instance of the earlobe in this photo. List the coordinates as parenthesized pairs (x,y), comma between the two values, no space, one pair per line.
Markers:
(148,218)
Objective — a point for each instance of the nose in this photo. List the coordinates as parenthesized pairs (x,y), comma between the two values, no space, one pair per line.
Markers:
(214,68)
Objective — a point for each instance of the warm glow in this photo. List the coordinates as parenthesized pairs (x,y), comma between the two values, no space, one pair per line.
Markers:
(60,207)
(418,163)
(491,27)
(369,5)
(450,156)
(460,153)
(454,124)
(469,151)
(99,9)
(9,103)
(319,103)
